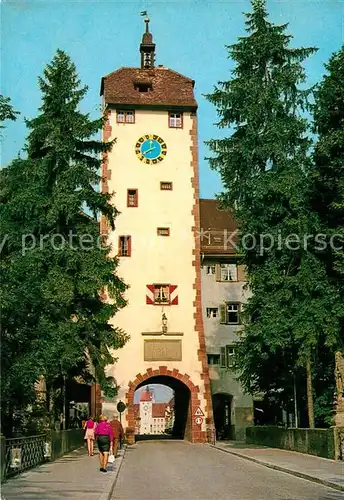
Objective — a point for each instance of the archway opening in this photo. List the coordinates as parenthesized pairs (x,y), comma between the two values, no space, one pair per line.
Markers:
(161,409)
(222,408)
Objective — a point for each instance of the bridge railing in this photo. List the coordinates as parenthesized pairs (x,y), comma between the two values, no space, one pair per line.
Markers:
(23,453)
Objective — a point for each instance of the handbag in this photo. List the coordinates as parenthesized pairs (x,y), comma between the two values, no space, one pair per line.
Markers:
(111,459)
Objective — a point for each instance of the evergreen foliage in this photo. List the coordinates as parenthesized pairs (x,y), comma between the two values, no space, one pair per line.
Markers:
(328,174)
(7,111)
(54,264)
(264,166)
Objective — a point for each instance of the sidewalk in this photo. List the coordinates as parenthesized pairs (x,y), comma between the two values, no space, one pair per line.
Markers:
(320,470)
(75,476)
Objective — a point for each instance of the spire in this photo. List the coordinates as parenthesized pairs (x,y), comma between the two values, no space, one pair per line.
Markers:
(147,47)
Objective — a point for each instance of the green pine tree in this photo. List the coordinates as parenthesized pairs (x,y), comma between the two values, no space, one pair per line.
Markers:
(7,112)
(264,167)
(328,174)
(55,265)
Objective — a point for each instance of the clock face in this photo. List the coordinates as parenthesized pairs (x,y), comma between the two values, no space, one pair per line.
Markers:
(145,407)
(150,149)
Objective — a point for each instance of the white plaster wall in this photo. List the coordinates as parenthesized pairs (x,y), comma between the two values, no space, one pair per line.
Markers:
(154,259)
(146,417)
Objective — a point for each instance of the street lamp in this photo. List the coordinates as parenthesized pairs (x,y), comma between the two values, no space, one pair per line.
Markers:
(164,323)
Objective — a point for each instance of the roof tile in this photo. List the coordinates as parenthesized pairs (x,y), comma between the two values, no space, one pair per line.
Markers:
(219,231)
(169,88)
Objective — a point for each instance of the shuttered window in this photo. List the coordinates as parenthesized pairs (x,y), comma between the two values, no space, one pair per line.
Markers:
(230,313)
(124,246)
(227,356)
(223,357)
(226,272)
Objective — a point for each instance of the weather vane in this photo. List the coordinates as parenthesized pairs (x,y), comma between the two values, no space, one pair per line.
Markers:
(145,15)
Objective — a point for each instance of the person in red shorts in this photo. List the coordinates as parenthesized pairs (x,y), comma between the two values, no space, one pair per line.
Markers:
(118,433)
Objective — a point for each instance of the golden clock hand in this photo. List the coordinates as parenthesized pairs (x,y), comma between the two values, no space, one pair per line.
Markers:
(148,150)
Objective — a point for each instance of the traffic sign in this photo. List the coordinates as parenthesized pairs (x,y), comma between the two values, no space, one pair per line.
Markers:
(198,412)
(121,407)
(199,420)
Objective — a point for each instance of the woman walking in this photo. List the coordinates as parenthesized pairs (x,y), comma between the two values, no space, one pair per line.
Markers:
(104,435)
(90,427)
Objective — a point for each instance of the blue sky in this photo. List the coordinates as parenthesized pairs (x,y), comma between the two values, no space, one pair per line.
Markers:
(162,393)
(101,36)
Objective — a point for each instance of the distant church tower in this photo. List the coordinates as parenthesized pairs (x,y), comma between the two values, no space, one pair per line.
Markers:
(153,171)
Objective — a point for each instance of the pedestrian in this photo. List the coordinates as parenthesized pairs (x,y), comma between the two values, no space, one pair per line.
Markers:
(118,433)
(104,437)
(90,426)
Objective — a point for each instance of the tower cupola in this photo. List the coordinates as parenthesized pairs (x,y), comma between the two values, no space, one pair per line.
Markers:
(147,47)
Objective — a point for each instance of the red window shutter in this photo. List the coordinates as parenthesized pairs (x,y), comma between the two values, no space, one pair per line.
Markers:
(119,246)
(173,295)
(129,245)
(150,294)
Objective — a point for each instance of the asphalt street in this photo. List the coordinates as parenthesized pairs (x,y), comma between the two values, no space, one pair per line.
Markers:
(178,470)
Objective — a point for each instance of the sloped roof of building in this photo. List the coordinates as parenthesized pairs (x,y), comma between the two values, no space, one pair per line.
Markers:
(158,410)
(219,231)
(146,396)
(168,88)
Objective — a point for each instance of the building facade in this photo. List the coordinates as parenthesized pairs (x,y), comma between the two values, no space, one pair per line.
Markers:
(223,294)
(152,417)
(153,172)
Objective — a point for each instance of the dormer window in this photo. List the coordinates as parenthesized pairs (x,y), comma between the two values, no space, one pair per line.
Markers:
(143,87)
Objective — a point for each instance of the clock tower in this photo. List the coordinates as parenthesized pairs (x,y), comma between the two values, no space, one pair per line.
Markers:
(152,172)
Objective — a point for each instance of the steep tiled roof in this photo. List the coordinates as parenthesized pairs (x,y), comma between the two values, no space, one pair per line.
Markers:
(146,396)
(158,410)
(169,88)
(218,229)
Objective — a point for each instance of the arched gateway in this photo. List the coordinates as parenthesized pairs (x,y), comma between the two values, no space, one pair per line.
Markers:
(187,401)
(153,172)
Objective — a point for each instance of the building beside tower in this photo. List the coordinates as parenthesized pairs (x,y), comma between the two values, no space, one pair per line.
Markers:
(153,171)
(223,295)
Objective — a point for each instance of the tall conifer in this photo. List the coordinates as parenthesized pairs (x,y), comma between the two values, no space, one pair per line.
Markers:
(55,266)
(264,166)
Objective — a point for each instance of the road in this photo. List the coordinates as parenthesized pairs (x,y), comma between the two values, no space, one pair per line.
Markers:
(178,470)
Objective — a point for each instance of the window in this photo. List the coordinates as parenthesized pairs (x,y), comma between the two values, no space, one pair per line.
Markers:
(223,357)
(213,359)
(230,356)
(132,198)
(166,186)
(230,313)
(228,272)
(125,116)
(175,120)
(227,356)
(161,294)
(212,312)
(143,87)
(210,269)
(163,231)
(124,246)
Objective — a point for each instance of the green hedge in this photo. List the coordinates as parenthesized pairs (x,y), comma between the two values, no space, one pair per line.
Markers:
(63,442)
(319,442)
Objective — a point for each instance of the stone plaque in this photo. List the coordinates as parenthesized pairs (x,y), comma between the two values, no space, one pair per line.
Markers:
(162,350)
